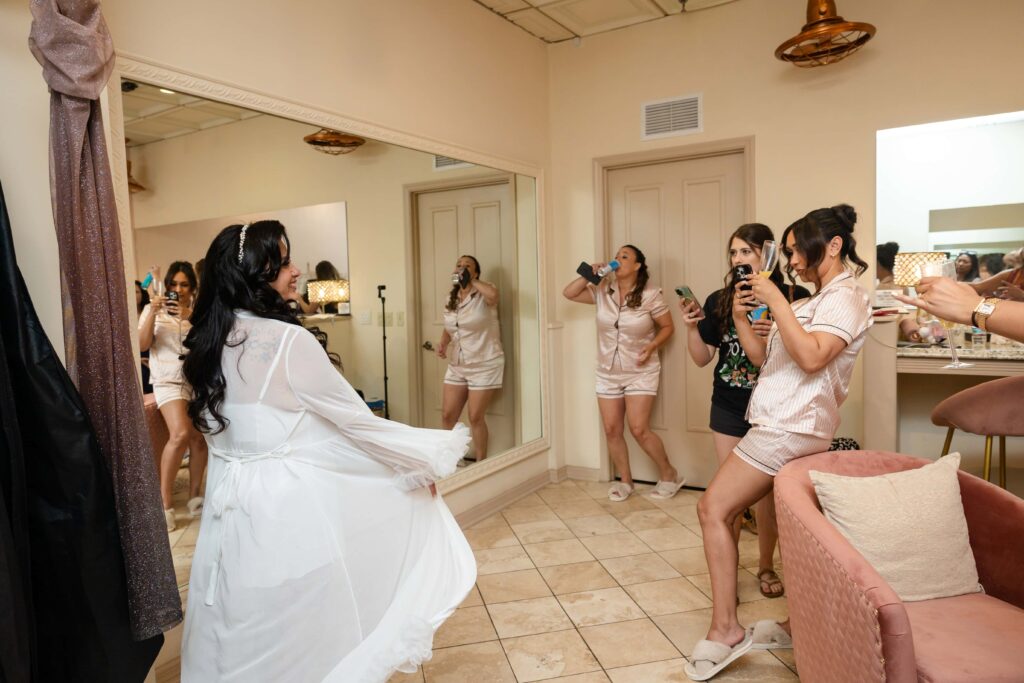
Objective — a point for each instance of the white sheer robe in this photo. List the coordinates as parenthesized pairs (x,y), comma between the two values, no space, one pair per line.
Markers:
(320,556)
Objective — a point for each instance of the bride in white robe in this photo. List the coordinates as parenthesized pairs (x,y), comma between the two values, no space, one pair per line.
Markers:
(322,556)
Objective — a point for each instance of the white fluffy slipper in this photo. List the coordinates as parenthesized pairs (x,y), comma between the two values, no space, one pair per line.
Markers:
(769,635)
(709,658)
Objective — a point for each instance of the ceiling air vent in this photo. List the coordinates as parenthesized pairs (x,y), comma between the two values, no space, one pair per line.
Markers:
(442,163)
(676,116)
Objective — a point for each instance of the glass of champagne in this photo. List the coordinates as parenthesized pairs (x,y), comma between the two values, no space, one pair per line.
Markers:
(769,258)
(945,269)
(156,287)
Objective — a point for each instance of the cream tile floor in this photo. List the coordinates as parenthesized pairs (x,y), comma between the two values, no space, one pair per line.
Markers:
(573,588)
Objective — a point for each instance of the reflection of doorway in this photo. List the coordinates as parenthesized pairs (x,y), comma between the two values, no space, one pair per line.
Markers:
(680,214)
(478,220)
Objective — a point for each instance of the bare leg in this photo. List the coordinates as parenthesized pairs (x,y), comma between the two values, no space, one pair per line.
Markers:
(178,428)
(638,413)
(736,485)
(723,447)
(767,536)
(453,400)
(478,402)
(613,413)
(196,462)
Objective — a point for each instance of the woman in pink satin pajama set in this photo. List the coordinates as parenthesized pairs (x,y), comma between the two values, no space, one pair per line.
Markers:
(633,322)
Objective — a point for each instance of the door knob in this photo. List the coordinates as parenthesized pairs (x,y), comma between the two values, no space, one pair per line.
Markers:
(428,346)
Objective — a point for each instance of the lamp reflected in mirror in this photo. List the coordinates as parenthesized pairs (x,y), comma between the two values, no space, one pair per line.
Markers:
(330,292)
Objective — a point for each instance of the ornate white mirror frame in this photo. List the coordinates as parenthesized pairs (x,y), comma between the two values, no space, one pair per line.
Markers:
(128,66)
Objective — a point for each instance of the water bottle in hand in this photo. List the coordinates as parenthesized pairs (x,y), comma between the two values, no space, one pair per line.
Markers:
(607,268)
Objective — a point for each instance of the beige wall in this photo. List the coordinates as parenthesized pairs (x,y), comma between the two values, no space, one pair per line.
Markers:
(261,164)
(24,165)
(448,70)
(814,129)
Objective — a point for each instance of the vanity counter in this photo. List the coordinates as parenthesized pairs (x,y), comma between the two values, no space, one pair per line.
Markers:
(997,360)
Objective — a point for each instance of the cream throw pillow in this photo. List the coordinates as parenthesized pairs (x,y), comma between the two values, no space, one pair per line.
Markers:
(909,526)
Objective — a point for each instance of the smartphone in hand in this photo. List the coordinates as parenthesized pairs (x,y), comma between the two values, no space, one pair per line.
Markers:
(742,272)
(172,309)
(685,293)
(586,271)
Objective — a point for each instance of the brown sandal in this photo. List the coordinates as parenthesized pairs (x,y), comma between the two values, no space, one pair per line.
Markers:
(769,578)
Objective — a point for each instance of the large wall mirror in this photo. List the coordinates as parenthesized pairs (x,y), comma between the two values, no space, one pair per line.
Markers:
(954,186)
(393,224)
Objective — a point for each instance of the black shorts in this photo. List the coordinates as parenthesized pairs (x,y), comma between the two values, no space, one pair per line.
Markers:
(728,422)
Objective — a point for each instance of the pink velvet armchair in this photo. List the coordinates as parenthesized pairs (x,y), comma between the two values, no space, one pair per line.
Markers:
(850,626)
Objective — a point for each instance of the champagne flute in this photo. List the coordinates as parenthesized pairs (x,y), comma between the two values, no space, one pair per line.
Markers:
(769,258)
(945,269)
(156,287)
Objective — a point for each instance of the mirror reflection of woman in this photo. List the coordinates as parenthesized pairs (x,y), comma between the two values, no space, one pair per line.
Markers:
(1008,284)
(967,267)
(163,326)
(471,342)
(633,322)
(323,555)
(712,330)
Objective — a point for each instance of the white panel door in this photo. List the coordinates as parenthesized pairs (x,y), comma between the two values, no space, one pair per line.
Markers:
(480,222)
(680,214)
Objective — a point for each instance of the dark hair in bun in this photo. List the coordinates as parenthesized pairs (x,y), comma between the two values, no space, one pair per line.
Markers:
(813,232)
(885,254)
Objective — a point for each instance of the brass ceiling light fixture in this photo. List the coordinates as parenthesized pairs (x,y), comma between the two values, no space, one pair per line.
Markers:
(332,142)
(826,37)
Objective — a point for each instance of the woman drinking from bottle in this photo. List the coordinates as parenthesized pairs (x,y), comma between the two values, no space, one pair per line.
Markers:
(471,342)
(711,329)
(633,322)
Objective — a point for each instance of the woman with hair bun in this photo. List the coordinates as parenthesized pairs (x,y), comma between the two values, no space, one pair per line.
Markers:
(323,554)
(885,255)
(711,330)
(633,322)
(794,411)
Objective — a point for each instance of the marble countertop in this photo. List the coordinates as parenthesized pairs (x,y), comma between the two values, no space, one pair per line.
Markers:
(1010,352)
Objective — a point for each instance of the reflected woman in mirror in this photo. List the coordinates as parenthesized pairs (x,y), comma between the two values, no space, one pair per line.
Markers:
(967,267)
(472,344)
(633,322)
(1009,284)
(324,270)
(323,554)
(712,330)
(163,325)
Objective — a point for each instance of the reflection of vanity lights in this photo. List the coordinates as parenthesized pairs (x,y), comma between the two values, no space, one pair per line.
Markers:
(330,292)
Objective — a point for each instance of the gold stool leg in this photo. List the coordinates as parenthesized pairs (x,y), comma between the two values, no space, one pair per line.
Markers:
(949,441)
(986,469)
(1002,461)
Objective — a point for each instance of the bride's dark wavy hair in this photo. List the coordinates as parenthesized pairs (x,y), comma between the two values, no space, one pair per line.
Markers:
(235,276)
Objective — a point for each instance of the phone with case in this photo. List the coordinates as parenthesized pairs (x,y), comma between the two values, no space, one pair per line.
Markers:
(685,293)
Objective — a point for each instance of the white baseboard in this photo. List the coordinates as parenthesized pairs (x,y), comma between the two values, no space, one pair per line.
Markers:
(503,500)
(581,473)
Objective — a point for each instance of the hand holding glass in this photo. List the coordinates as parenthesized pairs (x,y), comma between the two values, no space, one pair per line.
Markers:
(769,258)
(945,269)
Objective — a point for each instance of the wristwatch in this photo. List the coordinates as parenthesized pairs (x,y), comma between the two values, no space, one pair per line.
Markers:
(982,311)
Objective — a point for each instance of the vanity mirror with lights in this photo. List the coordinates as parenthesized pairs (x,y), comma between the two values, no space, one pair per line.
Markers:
(391,222)
(954,189)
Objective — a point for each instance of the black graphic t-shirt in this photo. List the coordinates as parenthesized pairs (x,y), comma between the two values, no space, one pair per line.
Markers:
(735,375)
